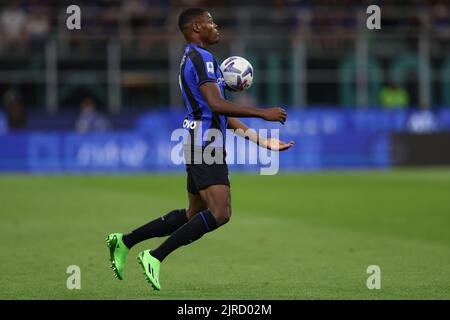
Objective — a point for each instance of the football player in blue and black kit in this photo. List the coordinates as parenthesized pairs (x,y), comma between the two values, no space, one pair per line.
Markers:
(208,185)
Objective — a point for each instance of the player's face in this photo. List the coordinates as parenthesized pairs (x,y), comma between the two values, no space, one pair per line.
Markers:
(210,34)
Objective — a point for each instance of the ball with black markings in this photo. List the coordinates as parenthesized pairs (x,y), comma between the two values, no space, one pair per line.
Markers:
(237,73)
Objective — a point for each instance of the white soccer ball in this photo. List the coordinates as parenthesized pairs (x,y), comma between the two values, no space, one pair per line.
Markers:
(237,73)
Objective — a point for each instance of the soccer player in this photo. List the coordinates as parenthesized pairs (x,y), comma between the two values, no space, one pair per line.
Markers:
(208,186)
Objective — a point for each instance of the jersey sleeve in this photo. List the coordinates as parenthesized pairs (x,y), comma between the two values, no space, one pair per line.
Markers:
(204,66)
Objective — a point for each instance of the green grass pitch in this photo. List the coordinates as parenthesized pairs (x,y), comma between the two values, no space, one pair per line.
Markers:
(291,236)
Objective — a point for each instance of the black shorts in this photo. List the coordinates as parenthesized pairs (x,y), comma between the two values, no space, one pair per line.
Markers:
(200,176)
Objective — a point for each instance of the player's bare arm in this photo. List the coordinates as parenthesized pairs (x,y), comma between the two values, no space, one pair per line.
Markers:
(268,143)
(218,104)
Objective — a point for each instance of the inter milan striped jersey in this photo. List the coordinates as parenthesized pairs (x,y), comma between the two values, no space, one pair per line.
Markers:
(197,67)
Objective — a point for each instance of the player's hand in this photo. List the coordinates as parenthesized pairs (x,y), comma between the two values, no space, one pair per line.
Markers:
(275,114)
(276,145)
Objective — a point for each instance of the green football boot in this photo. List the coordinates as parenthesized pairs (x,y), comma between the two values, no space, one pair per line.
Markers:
(151,268)
(118,253)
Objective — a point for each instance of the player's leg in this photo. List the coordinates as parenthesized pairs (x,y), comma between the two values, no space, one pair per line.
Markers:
(218,200)
(216,197)
(120,244)
(212,184)
(160,227)
(196,205)
(170,222)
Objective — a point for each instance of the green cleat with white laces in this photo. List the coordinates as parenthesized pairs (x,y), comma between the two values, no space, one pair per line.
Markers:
(151,268)
(118,253)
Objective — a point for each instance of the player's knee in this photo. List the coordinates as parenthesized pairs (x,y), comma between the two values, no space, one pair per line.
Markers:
(192,211)
(222,216)
(225,219)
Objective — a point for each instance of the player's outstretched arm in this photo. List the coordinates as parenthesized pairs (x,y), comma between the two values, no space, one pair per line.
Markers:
(242,130)
(212,95)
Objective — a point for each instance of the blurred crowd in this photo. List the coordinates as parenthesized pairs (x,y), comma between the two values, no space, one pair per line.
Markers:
(326,26)
(26,21)
(23,22)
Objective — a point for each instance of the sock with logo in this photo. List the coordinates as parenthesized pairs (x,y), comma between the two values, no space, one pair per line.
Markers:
(160,227)
(193,230)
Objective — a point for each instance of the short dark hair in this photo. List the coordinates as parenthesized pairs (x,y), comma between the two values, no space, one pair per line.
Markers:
(186,17)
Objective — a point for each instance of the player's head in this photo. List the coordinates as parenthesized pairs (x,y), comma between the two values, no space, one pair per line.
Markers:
(197,24)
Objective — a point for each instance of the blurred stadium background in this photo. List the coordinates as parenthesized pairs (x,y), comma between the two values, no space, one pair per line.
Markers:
(104,99)
(357,97)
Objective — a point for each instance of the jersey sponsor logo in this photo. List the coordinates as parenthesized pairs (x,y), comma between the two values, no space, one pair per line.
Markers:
(210,67)
(188,124)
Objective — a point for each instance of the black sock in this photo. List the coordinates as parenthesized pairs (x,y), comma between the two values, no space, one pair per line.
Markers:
(160,227)
(200,224)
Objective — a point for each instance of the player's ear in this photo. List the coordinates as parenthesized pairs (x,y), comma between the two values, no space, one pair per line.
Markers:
(196,26)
